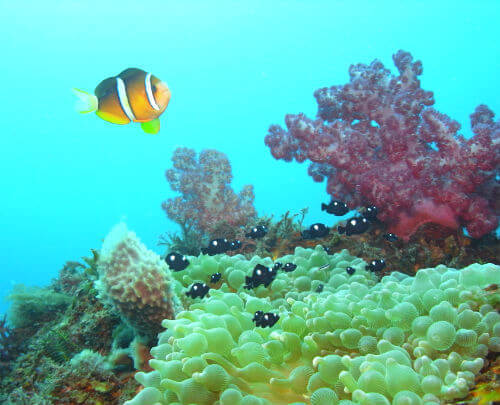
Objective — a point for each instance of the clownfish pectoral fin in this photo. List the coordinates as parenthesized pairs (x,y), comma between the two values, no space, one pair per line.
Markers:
(85,102)
(151,127)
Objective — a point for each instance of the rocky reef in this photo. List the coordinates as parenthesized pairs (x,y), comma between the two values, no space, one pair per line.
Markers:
(347,336)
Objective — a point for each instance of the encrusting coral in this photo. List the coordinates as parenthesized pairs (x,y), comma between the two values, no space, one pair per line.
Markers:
(355,340)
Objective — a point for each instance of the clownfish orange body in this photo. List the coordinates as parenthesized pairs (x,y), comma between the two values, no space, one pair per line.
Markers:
(132,96)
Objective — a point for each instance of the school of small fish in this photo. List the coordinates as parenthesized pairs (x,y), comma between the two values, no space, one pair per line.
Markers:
(262,275)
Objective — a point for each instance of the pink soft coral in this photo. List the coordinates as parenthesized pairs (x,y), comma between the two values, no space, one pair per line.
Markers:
(207,198)
(377,141)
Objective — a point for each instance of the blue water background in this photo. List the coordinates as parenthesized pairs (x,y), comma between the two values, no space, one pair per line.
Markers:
(234,68)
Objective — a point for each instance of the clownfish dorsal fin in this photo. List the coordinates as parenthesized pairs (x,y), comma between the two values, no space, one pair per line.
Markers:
(85,102)
(130,72)
(105,87)
(151,127)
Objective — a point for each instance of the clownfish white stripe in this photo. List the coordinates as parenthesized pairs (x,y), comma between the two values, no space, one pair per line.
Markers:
(122,97)
(149,92)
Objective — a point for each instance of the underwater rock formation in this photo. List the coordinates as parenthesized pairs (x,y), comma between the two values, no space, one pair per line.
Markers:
(134,281)
(399,340)
(377,140)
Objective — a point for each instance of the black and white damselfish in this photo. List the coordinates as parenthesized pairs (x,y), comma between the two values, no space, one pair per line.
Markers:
(176,261)
(198,290)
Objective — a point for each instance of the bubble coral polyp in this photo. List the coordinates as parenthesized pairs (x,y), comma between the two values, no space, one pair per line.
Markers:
(377,140)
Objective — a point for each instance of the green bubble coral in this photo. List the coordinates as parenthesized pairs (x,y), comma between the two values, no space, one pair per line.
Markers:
(213,377)
(406,398)
(441,335)
(403,340)
(324,396)
(443,311)
(394,335)
(367,344)
(403,315)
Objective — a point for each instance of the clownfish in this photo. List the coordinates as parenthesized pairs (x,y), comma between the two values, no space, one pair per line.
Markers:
(132,96)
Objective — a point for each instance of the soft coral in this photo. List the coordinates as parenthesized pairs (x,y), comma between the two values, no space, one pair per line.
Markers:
(377,140)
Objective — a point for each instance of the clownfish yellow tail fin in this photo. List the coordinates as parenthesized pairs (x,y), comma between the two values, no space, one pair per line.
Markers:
(85,102)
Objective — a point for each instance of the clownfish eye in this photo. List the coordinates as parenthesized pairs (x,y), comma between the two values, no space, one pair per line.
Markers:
(153,87)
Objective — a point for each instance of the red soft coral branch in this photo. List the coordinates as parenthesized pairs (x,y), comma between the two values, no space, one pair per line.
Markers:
(377,140)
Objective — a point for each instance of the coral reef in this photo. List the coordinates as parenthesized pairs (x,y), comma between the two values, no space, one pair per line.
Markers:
(404,339)
(428,247)
(86,352)
(377,140)
(32,306)
(425,249)
(207,198)
(134,281)
(11,345)
(69,356)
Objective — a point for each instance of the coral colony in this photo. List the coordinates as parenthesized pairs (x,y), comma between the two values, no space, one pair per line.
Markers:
(378,140)
(402,339)
(271,312)
(207,198)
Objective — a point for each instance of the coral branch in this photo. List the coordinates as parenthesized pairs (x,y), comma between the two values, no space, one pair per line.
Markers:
(207,198)
(377,140)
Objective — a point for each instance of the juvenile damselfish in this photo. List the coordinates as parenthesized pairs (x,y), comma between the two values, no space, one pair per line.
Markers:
(216,246)
(260,275)
(265,319)
(257,232)
(317,230)
(354,226)
(288,267)
(198,290)
(176,261)
(335,207)
(375,265)
(132,96)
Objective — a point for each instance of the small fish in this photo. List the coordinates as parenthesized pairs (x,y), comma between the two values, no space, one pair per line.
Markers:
(288,267)
(216,246)
(354,226)
(176,261)
(375,265)
(324,266)
(235,244)
(327,250)
(319,288)
(370,212)
(260,275)
(317,230)
(277,266)
(257,315)
(257,232)
(198,290)
(390,237)
(335,207)
(350,270)
(132,96)
(214,278)
(264,320)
